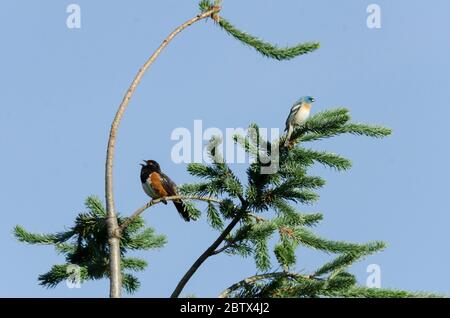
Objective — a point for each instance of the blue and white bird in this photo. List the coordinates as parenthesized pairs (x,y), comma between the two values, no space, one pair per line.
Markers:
(299,114)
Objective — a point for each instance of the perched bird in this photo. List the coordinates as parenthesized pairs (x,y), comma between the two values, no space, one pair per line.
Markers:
(157,185)
(299,114)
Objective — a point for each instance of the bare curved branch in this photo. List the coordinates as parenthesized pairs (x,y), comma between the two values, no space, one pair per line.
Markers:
(112,224)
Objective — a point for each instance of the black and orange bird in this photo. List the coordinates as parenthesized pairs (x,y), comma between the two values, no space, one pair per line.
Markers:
(157,185)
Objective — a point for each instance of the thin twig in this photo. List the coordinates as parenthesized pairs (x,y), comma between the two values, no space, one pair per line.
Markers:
(142,209)
(223,248)
(209,251)
(112,224)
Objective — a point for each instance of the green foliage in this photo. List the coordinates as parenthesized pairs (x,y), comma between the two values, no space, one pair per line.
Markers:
(365,292)
(279,236)
(285,253)
(205,5)
(85,246)
(268,224)
(193,212)
(308,157)
(264,48)
(221,178)
(284,284)
(214,217)
(349,256)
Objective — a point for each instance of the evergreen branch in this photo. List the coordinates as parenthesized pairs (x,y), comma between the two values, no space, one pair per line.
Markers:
(95,206)
(308,238)
(325,158)
(247,281)
(130,283)
(223,248)
(253,279)
(213,217)
(232,185)
(227,208)
(261,255)
(87,254)
(306,288)
(322,123)
(290,216)
(209,251)
(349,258)
(298,219)
(353,129)
(197,189)
(241,233)
(65,248)
(285,253)
(366,292)
(135,264)
(221,177)
(367,130)
(46,239)
(328,119)
(339,280)
(261,230)
(145,240)
(192,210)
(59,273)
(142,209)
(242,249)
(205,5)
(202,171)
(300,196)
(265,48)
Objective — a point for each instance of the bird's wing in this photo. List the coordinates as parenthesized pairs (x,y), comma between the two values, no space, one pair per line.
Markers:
(168,185)
(290,118)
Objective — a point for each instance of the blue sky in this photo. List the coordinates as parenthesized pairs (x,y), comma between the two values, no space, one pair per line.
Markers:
(61,88)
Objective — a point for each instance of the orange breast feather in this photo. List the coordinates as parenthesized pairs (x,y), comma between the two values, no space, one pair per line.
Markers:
(157,186)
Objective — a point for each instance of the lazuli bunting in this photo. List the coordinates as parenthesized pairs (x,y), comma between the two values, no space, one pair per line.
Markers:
(299,114)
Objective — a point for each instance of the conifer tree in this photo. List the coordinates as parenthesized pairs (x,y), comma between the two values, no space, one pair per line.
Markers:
(247,212)
(278,195)
(85,245)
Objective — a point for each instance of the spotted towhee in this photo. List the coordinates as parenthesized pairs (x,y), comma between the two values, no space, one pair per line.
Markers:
(157,185)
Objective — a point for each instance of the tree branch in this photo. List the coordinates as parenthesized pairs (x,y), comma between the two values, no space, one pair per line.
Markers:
(231,244)
(255,278)
(209,251)
(142,209)
(223,248)
(112,224)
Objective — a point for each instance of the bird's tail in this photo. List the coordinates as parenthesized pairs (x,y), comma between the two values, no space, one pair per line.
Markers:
(181,208)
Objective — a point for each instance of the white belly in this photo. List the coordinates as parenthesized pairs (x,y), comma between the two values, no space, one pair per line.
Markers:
(149,191)
(301,116)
